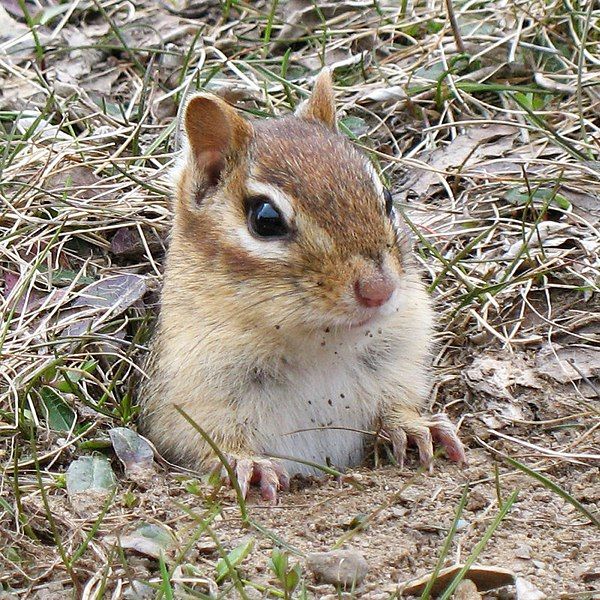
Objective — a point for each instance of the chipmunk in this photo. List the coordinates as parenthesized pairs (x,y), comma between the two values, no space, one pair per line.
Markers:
(293,320)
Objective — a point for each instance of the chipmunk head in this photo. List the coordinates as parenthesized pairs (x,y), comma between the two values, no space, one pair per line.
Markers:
(289,217)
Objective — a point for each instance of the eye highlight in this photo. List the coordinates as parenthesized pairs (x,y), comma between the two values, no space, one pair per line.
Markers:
(264,219)
(389,203)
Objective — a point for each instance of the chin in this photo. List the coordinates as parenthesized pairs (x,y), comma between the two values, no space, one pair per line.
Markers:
(359,320)
(377,316)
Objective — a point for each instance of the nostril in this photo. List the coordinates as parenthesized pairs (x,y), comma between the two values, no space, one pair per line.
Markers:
(374,291)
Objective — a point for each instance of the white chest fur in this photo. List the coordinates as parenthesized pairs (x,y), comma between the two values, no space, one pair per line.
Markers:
(317,405)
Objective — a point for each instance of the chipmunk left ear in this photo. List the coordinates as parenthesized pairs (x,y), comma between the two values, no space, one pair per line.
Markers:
(217,137)
(321,104)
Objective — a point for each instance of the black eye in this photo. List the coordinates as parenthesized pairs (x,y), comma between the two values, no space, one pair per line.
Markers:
(389,203)
(264,220)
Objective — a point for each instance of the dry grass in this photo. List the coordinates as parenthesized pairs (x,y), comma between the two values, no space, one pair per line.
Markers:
(488,133)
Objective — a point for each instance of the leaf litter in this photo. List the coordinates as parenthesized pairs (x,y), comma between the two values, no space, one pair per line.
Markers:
(135,453)
(491,151)
(90,481)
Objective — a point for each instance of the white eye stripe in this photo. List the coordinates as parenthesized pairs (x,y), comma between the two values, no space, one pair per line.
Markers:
(375,178)
(261,248)
(280,199)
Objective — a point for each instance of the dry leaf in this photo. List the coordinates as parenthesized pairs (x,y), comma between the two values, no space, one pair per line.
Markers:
(553,360)
(464,150)
(135,453)
(394,93)
(30,300)
(149,539)
(9,27)
(301,17)
(114,293)
(77,181)
(585,204)
(496,377)
(31,123)
(335,58)
(100,300)
(485,578)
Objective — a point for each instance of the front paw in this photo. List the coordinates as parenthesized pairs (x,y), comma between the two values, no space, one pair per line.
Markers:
(423,432)
(269,475)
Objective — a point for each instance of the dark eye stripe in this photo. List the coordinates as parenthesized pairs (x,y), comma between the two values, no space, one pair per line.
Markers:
(389,202)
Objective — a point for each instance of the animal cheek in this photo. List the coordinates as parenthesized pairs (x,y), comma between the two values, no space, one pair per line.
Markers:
(241,262)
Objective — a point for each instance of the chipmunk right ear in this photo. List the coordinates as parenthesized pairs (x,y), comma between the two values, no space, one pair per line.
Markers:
(216,136)
(321,104)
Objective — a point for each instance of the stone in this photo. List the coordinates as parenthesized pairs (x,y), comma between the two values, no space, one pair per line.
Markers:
(345,568)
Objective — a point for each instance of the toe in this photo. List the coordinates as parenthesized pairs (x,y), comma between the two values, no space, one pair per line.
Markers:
(244,470)
(444,433)
(283,477)
(424,441)
(399,441)
(268,481)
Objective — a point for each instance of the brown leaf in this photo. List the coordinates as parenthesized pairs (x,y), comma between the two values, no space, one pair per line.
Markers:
(553,361)
(75,181)
(114,293)
(485,578)
(464,150)
(30,300)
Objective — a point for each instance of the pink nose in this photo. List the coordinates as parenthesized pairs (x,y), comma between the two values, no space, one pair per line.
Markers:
(375,290)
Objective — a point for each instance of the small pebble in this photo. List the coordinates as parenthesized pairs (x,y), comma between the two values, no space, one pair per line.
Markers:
(523,551)
(466,590)
(528,591)
(338,567)
(252,593)
(139,591)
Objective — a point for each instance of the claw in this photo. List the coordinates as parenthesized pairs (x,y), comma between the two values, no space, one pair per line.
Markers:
(284,478)
(444,432)
(269,475)
(244,469)
(399,441)
(268,480)
(423,433)
(424,441)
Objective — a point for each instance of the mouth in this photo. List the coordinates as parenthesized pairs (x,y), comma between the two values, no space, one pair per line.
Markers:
(357,324)
(365,320)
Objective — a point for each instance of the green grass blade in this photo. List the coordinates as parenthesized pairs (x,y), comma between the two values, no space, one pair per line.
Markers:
(553,487)
(222,458)
(480,546)
(447,543)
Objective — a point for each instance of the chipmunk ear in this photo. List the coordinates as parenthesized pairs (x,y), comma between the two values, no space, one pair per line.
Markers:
(321,104)
(216,135)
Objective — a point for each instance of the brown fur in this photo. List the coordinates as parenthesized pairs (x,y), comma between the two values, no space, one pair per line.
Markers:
(243,319)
